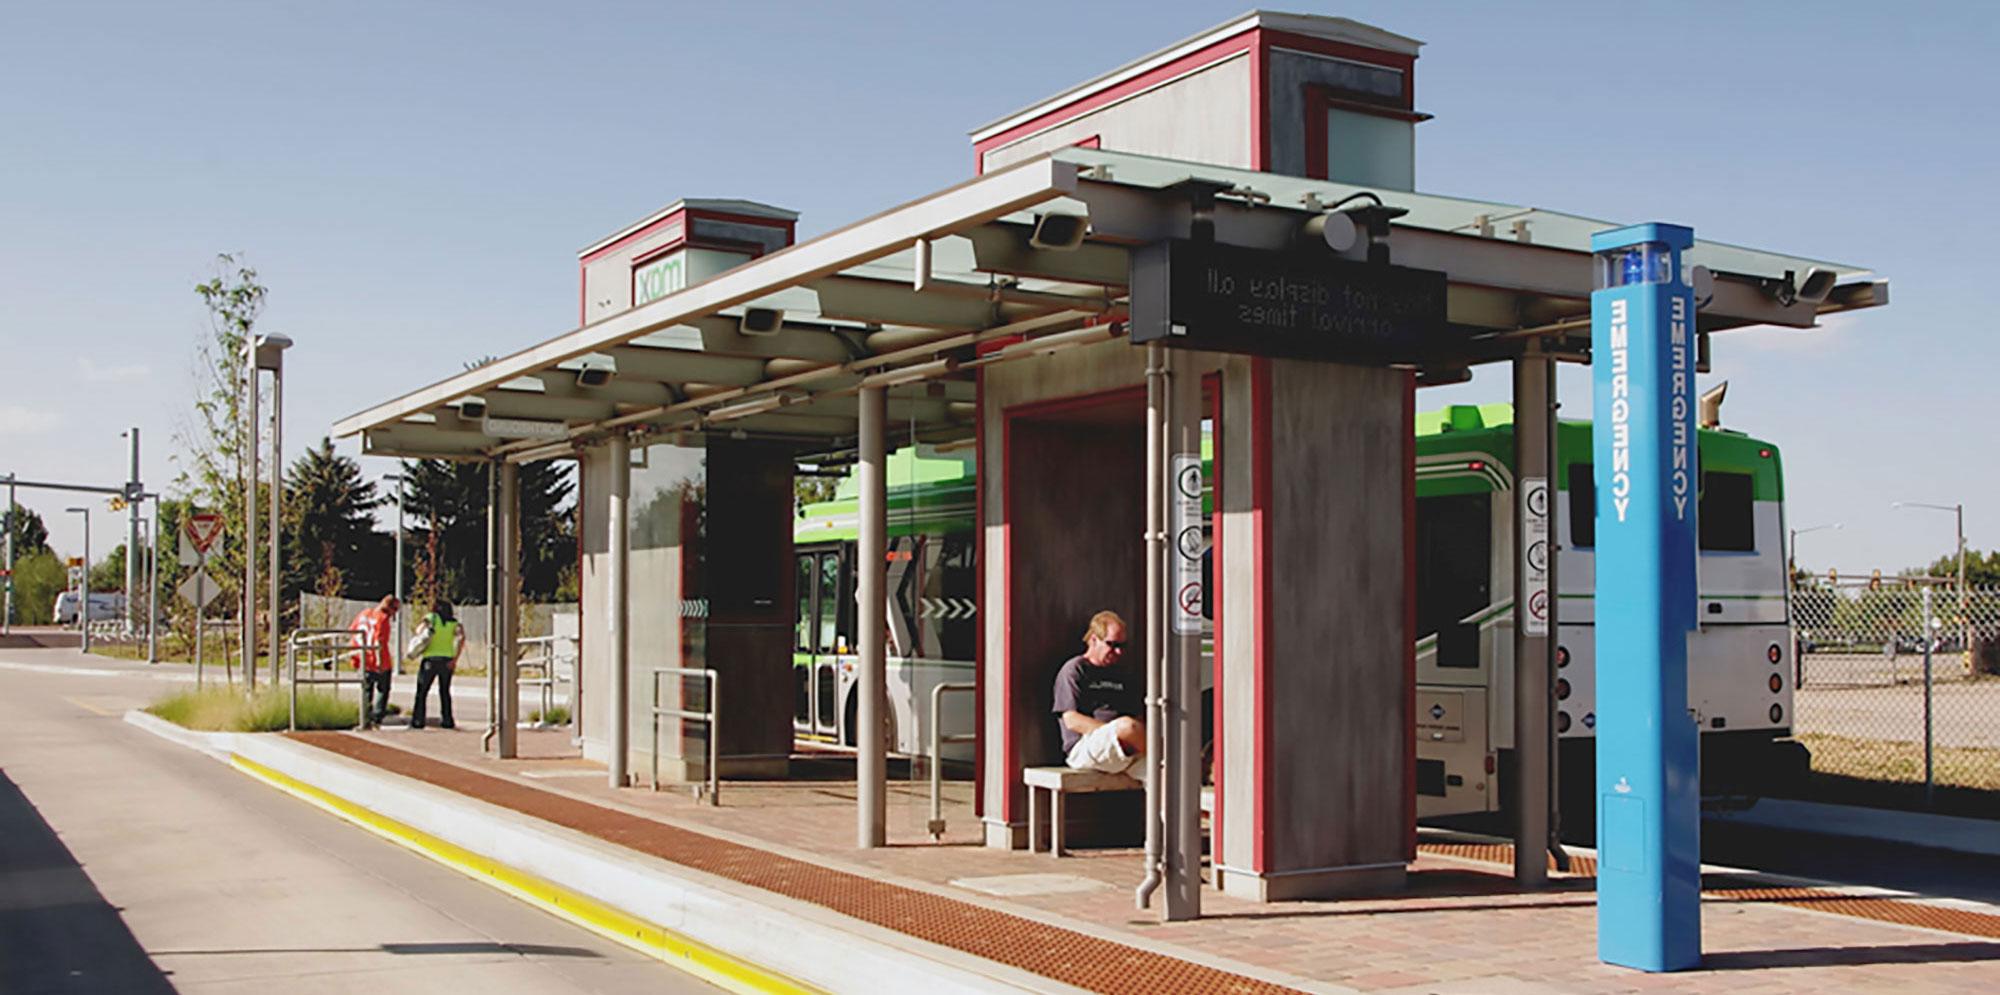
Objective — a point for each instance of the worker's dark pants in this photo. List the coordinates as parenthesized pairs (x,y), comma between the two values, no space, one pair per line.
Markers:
(375,694)
(435,668)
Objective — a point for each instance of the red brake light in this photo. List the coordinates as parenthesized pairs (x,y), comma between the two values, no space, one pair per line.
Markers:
(1476,465)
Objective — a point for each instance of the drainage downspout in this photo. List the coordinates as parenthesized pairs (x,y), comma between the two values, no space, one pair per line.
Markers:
(1155,615)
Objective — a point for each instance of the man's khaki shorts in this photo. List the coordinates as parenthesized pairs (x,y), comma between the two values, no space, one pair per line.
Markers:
(1100,750)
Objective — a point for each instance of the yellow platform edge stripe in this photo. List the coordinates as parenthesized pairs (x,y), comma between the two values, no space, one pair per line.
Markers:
(674,949)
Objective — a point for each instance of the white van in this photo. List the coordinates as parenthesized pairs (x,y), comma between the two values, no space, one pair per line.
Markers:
(104,606)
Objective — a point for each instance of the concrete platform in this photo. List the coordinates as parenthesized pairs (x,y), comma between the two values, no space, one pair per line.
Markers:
(1458,926)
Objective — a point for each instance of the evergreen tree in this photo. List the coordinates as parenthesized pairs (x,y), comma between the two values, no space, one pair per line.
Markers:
(31,534)
(329,525)
(447,501)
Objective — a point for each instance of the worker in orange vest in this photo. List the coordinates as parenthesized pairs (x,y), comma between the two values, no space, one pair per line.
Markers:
(377,658)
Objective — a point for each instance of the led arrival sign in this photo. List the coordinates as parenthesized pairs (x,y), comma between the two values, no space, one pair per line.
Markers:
(1304,303)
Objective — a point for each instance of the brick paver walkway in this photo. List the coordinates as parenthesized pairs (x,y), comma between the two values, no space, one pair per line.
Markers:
(1458,928)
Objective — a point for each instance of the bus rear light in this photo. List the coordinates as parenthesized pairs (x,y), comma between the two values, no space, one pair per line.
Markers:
(1774,653)
(1489,763)
(1562,689)
(1765,453)
(1562,657)
(1476,465)
(1777,714)
(1777,683)
(1562,721)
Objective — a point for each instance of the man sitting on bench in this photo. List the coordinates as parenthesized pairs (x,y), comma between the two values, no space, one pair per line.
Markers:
(1096,699)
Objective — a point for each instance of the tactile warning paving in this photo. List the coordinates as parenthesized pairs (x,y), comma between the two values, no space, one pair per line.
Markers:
(1904,912)
(1063,955)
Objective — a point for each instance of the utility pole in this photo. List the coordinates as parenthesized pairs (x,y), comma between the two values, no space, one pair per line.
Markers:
(132,489)
(7,617)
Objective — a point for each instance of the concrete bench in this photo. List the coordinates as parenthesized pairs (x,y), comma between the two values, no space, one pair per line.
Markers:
(1060,781)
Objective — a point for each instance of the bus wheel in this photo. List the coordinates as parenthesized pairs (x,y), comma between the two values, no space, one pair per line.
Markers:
(853,722)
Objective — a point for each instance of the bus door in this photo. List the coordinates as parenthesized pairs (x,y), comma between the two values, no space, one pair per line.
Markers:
(818,642)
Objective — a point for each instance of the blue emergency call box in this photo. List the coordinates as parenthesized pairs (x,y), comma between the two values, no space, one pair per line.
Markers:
(1647,476)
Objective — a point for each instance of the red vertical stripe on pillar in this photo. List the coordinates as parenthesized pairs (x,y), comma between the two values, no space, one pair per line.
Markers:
(979,593)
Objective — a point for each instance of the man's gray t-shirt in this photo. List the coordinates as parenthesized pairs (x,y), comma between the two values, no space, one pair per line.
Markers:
(1103,693)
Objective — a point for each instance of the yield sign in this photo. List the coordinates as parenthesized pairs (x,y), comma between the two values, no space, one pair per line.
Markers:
(203,528)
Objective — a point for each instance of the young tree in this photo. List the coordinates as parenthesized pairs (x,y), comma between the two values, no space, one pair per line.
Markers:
(213,441)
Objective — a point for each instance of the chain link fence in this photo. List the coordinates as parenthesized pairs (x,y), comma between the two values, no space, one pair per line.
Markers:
(1898,683)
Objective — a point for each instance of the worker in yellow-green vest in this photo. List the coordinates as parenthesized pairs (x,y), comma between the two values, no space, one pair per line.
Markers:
(438,642)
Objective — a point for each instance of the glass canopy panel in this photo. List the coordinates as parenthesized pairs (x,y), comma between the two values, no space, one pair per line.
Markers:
(1428,211)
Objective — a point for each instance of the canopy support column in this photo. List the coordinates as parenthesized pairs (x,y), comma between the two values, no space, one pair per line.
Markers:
(507,600)
(1534,613)
(1183,707)
(616,632)
(871,815)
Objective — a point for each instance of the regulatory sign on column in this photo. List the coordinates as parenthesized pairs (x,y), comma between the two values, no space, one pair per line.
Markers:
(1534,533)
(1188,544)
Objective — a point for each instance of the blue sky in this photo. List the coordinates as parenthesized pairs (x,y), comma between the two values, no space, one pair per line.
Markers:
(413,181)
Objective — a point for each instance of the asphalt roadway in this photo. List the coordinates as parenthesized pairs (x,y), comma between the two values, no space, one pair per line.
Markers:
(131,864)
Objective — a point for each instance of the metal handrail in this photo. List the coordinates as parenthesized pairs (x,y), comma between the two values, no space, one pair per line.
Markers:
(937,755)
(543,661)
(339,643)
(711,716)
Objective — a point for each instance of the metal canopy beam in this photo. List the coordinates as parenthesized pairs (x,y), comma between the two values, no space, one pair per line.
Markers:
(977,201)
(1143,215)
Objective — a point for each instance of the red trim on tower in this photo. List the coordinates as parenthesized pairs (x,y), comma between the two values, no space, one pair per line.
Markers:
(651,229)
(1260,605)
(1198,59)
(1260,103)
(1410,613)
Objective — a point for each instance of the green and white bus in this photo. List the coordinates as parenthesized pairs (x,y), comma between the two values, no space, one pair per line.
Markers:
(932,611)
(1739,660)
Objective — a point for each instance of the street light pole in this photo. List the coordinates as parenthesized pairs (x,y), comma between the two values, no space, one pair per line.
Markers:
(7,615)
(1964,603)
(83,586)
(132,488)
(397,480)
(248,641)
(265,352)
(277,369)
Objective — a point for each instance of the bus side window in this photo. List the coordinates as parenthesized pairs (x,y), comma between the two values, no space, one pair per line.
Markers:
(1726,517)
(829,602)
(1454,569)
(1582,506)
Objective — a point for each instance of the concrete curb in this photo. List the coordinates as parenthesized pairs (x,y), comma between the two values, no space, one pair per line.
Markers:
(688,919)
(1955,834)
(218,745)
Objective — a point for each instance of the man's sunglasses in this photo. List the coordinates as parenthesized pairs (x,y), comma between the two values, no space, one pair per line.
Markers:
(1117,645)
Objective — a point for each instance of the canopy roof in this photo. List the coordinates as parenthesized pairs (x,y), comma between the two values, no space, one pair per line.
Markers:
(906,298)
